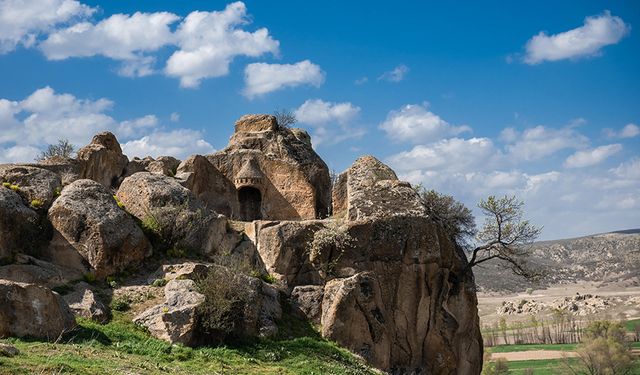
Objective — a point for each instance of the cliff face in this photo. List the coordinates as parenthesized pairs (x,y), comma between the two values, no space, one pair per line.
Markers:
(379,277)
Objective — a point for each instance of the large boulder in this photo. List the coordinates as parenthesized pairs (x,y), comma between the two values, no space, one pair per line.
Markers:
(179,318)
(276,171)
(84,302)
(29,310)
(369,189)
(39,187)
(102,160)
(166,165)
(88,218)
(27,269)
(171,212)
(20,226)
(210,186)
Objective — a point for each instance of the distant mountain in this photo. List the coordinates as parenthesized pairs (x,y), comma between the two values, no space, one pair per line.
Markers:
(608,258)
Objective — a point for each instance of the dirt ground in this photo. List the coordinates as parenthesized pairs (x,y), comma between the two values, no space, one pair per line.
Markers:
(533,355)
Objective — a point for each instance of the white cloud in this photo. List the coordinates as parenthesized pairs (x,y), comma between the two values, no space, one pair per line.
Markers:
(414,123)
(539,142)
(587,158)
(629,170)
(628,131)
(262,78)
(46,116)
(179,143)
(23,21)
(209,41)
(587,40)
(361,80)
(174,117)
(396,75)
(331,122)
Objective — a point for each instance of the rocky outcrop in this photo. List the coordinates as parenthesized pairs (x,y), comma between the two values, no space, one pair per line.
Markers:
(178,319)
(84,302)
(39,187)
(88,218)
(29,310)
(20,227)
(28,269)
(291,181)
(369,189)
(166,165)
(209,185)
(171,212)
(394,284)
(102,160)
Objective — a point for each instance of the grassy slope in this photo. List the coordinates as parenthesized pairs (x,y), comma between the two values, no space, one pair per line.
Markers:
(122,347)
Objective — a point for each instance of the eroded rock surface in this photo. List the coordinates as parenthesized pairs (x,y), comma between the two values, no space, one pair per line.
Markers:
(88,218)
(19,226)
(102,160)
(29,310)
(84,302)
(37,186)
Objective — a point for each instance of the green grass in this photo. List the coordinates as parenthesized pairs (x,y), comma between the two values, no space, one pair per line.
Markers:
(539,367)
(122,347)
(630,324)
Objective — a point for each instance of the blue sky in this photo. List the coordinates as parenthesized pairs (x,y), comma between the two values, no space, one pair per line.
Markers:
(535,99)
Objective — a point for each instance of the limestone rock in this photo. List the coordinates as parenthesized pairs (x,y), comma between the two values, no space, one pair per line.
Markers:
(84,302)
(38,186)
(27,269)
(177,319)
(306,301)
(87,217)
(19,226)
(291,181)
(166,165)
(209,185)
(174,214)
(102,160)
(8,350)
(32,310)
(369,189)
(67,168)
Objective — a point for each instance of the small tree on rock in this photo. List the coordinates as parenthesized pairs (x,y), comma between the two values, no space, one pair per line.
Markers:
(285,118)
(62,149)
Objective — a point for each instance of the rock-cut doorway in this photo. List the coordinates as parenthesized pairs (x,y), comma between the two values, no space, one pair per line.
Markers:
(250,200)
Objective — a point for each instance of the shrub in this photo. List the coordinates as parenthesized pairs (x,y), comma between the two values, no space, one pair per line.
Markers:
(89,277)
(529,291)
(36,203)
(6,184)
(226,295)
(159,282)
(324,239)
(120,204)
(15,188)
(121,303)
(63,149)
(150,224)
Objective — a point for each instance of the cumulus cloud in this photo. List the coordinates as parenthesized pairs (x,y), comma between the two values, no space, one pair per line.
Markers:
(415,123)
(628,131)
(262,78)
(587,158)
(539,142)
(23,21)
(179,143)
(204,43)
(586,40)
(209,41)
(629,170)
(331,122)
(45,116)
(397,74)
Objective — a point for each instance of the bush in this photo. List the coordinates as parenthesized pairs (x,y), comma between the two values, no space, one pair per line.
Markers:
(222,312)
(121,303)
(159,283)
(6,184)
(120,204)
(326,238)
(150,224)
(63,149)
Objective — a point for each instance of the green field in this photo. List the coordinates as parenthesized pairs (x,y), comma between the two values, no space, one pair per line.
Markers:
(527,347)
(121,347)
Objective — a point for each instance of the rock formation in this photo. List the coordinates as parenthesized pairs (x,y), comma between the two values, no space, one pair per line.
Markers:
(380,277)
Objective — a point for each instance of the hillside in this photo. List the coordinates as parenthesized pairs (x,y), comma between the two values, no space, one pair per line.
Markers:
(607,259)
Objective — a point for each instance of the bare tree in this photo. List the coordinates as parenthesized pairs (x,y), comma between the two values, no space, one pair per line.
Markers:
(457,219)
(63,149)
(285,117)
(505,235)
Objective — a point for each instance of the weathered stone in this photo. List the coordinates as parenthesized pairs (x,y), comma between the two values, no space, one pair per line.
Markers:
(37,186)
(306,301)
(67,168)
(102,160)
(87,216)
(8,350)
(27,269)
(166,165)
(369,189)
(174,321)
(174,214)
(177,319)
(32,310)
(19,226)
(84,302)
(277,173)
(209,185)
